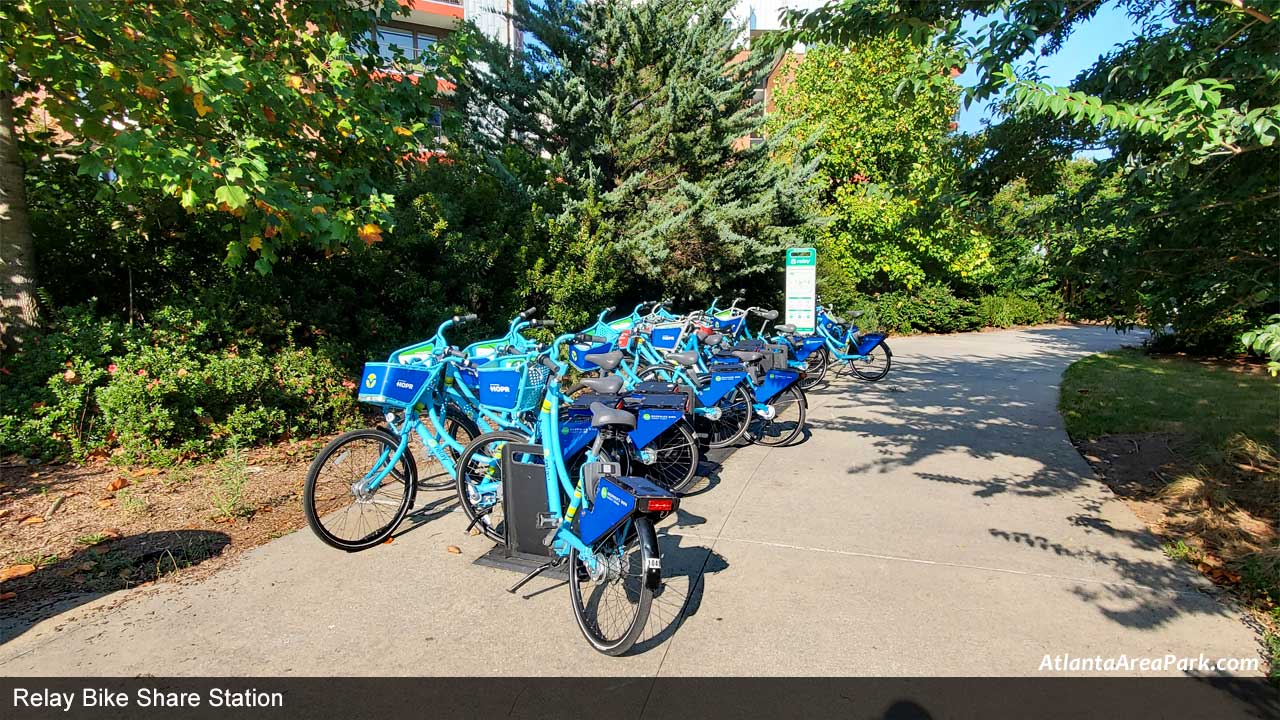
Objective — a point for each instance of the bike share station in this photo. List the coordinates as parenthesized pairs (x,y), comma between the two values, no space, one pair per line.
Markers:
(526,550)
(573,481)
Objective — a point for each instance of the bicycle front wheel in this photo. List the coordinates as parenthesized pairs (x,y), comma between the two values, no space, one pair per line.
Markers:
(479,482)
(339,508)
(611,603)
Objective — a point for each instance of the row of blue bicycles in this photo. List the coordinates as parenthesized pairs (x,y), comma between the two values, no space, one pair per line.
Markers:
(615,418)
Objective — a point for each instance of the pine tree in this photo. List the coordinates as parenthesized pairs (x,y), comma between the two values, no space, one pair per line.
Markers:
(639,110)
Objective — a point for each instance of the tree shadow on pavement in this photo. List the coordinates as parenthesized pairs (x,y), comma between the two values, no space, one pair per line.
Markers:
(980,412)
(114,564)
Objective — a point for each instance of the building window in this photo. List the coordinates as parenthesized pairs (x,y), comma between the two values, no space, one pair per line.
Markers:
(412,43)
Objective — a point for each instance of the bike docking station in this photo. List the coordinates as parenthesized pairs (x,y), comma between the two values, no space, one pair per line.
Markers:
(528,527)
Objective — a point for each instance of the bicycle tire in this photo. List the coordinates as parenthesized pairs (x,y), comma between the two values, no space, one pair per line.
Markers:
(643,585)
(486,514)
(759,429)
(406,478)
(815,369)
(680,445)
(868,375)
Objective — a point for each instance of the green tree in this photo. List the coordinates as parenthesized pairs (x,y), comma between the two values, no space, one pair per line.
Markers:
(640,113)
(887,167)
(1191,109)
(277,114)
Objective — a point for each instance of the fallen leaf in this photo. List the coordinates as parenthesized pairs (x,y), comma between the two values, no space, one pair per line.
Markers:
(111,534)
(454,549)
(5,512)
(33,520)
(8,596)
(117,484)
(474,532)
(144,472)
(104,503)
(388,541)
(14,572)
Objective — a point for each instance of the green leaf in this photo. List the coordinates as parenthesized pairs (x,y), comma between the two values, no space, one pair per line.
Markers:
(233,195)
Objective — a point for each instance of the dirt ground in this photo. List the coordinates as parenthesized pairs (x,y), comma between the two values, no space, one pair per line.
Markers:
(71,530)
(1215,530)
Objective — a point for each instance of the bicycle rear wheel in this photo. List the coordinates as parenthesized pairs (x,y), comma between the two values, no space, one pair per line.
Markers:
(875,365)
(339,511)
(675,458)
(612,604)
(815,368)
(789,410)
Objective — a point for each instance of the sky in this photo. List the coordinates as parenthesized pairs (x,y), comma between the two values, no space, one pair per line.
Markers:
(1091,39)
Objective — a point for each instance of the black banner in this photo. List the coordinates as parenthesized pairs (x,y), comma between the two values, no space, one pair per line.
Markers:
(605,698)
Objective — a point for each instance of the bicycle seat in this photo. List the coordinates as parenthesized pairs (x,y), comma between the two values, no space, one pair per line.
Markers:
(607,385)
(856,314)
(713,339)
(769,315)
(604,416)
(688,358)
(785,329)
(607,361)
(747,356)
(838,320)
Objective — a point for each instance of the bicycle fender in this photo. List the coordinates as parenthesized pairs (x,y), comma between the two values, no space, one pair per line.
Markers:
(868,342)
(775,381)
(722,383)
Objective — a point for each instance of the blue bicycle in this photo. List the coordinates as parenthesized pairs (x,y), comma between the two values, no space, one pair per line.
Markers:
(595,518)
(364,482)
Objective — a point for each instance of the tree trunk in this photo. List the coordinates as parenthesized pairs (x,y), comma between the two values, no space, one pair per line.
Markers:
(17,257)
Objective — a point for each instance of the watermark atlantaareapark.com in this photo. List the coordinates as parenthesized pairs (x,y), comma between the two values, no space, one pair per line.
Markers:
(1066,662)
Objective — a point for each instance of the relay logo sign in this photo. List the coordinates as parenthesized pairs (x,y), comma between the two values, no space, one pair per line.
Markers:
(404,385)
(802,288)
(370,381)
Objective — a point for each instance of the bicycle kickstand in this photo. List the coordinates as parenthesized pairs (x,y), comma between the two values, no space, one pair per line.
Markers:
(536,572)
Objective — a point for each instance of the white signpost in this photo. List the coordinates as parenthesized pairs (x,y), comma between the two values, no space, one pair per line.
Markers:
(802,288)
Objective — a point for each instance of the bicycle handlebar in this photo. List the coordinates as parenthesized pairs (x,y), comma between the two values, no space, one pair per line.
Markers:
(528,313)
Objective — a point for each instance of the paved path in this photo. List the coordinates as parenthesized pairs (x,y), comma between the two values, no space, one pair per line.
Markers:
(938,523)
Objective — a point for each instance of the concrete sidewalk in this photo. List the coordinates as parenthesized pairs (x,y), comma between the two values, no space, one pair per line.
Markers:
(936,523)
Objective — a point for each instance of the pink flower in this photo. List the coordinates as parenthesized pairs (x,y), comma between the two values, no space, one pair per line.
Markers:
(348,385)
(112,368)
(153,384)
(142,373)
(311,391)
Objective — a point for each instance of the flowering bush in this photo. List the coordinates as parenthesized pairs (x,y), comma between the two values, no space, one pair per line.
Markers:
(163,391)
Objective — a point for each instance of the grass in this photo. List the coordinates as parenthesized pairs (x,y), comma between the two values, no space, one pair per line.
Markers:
(1127,391)
(231,477)
(132,502)
(93,539)
(1180,550)
(1222,493)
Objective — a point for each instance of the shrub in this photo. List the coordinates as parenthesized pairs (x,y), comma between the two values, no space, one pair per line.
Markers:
(932,308)
(1009,309)
(163,390)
